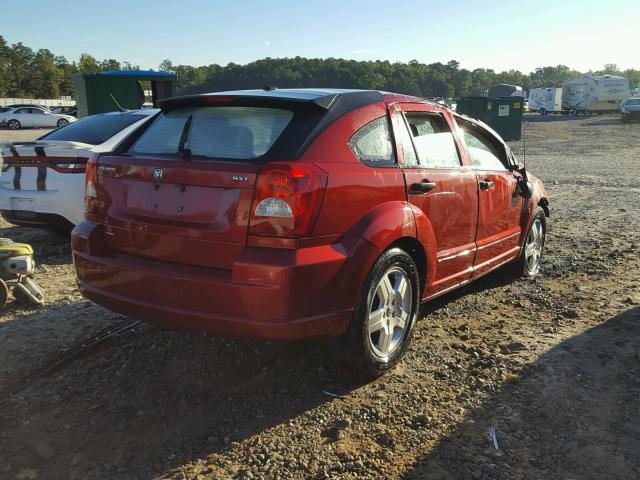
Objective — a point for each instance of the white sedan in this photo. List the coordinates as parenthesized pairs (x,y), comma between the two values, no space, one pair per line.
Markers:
(42,182)
(28,117)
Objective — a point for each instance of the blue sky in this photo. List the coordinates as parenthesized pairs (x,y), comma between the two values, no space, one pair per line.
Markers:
(501,35)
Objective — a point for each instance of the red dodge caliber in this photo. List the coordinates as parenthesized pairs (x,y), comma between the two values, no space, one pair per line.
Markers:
(285,214)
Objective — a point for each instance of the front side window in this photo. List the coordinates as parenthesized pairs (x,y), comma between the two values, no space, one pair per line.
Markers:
(433,140)
(23,110)
(484,153)
(372,143)
(214,132)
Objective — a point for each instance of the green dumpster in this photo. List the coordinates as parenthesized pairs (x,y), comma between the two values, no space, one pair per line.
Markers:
(107,91)
(503,114)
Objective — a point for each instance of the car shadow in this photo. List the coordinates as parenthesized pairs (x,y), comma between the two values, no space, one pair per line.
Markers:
(573,413)
(150,400)
(147,400)
(499,278)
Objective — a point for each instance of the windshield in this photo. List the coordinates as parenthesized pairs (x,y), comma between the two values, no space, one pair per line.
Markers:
(633,101)
(214,132)
(94,130)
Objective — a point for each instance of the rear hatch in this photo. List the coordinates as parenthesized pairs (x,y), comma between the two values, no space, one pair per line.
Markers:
(181,191)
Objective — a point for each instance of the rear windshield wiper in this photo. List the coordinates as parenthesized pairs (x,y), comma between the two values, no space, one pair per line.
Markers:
(185,152)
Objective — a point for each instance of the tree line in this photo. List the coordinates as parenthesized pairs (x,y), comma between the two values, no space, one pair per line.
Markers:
(413,78)
(25,73)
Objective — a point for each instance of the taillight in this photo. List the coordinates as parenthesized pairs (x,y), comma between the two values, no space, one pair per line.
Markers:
(91,185)
(287,199)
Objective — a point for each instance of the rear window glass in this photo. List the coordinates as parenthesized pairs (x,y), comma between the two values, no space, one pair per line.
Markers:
(94,130)
(214,132)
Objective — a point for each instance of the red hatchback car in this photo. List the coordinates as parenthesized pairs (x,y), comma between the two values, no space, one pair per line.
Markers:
(285,214)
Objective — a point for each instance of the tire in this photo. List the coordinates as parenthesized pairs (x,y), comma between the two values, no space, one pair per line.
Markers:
(13,124)
(528,263)
(369,350)
(4,294)
(62,122)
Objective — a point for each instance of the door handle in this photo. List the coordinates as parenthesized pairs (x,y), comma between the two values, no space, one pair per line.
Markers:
(485,184)
(423,186)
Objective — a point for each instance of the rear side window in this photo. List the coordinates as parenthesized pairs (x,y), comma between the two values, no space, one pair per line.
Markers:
(372,143)
(94,130)
(433,140)
(214,132)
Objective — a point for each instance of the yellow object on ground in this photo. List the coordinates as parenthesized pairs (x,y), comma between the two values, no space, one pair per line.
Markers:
(15,250)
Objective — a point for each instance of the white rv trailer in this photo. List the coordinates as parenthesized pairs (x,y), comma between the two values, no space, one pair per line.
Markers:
(536,99)
(552,100)
(545,100)
(590,93)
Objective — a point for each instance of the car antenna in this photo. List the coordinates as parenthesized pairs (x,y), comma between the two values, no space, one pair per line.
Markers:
(117,104)
(524,145)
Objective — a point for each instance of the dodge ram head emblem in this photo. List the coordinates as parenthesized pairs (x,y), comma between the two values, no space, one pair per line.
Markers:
(157,174)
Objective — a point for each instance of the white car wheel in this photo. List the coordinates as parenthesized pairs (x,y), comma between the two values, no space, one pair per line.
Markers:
(62,122)
(13,124)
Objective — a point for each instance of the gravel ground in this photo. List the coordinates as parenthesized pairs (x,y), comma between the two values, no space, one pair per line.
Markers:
(552,364)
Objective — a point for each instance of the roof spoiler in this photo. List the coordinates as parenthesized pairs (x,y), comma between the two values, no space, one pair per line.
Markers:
(324,102)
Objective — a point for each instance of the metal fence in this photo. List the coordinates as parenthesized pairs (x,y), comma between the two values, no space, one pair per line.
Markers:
(48,102)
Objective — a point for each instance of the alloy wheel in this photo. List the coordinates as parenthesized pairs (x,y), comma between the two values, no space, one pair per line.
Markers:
(390,310)
(533,247)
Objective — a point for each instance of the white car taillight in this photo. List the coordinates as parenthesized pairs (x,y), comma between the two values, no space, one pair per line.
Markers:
(91,179)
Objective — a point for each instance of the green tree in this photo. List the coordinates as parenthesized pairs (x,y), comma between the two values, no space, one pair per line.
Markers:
(4,67)
(166,66)
(20,59)
(109,64)
(45,75)
(87,63)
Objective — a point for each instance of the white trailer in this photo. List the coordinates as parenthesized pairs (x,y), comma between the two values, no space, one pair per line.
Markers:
(536,99)
(545,100)
(552,100)
(591,93)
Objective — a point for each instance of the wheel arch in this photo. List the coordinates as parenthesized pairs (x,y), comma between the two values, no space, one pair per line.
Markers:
(401,224)
(415,250)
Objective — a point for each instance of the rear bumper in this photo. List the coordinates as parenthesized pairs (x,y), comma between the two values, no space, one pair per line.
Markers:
(270,293)
(67,203)
(27,217)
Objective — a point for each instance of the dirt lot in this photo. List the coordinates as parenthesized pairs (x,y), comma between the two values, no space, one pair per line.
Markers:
(553,364)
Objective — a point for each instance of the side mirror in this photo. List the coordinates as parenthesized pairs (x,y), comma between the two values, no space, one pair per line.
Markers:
(524,187)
